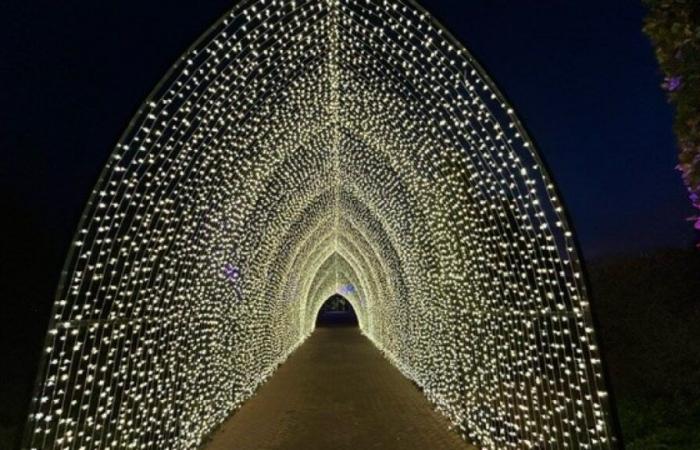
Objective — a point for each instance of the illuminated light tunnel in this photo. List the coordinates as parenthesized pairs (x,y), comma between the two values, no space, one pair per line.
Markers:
(298,148)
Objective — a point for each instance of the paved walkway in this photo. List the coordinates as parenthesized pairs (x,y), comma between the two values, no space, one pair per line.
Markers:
(336,392)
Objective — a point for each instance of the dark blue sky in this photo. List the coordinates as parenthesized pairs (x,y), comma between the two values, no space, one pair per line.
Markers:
(581,75)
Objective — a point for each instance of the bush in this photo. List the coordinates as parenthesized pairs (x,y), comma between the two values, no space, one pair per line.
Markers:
(674,29)
(648,313)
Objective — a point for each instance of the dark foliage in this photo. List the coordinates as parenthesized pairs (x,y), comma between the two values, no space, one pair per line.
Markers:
(649,315)
(674,29)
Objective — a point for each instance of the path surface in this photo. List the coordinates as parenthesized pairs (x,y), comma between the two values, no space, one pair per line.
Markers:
(337,392)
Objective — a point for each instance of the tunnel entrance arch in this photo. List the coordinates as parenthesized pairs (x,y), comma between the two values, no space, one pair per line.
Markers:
(298,147)
(336,311)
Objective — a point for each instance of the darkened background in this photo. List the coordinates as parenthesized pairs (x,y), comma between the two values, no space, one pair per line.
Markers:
(581,75)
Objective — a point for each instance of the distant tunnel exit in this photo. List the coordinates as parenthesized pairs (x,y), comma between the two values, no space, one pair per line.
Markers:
(336,312)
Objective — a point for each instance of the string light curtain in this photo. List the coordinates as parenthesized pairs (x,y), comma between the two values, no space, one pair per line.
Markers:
(301,149)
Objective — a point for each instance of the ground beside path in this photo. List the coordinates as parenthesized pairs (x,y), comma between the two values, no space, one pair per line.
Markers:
(337,392)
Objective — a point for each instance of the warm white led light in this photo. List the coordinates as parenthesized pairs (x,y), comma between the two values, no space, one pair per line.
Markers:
(298,149)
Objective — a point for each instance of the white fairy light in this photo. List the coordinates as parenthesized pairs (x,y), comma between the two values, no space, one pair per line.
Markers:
(299,149)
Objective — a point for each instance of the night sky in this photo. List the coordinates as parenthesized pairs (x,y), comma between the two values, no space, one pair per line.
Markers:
(581,75)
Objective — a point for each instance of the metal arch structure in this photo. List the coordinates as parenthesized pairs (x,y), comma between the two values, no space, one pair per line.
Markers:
(299,149)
